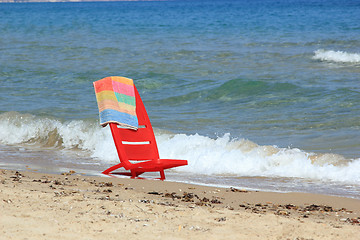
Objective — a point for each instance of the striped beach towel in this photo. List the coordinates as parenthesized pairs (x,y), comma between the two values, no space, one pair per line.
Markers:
(116,101)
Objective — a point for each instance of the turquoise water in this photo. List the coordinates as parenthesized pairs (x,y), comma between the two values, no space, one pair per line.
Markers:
(267,89)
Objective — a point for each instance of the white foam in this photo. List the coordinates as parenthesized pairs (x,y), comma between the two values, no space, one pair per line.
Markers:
(27,129)
(244,158)
(223,155)
(336,56)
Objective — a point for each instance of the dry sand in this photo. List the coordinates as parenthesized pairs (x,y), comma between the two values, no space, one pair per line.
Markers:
(71,206)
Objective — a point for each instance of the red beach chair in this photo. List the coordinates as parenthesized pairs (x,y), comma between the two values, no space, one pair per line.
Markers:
(137,149)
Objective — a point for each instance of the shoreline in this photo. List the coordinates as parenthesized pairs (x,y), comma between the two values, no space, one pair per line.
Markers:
(46,206)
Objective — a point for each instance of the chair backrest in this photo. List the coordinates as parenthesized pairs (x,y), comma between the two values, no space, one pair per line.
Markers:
(135,145)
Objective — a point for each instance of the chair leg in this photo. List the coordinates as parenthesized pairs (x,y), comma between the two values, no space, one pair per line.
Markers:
(162,175)
(135,174)
(109,170)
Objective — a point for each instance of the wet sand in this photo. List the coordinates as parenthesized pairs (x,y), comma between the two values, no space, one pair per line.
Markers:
(72,206)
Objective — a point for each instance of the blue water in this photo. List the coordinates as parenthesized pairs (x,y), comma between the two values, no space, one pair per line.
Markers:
(262,90)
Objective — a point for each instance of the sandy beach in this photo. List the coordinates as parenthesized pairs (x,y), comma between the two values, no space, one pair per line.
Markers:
(72,206)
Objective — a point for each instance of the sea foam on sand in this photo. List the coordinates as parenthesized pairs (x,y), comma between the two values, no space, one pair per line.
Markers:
(223,155)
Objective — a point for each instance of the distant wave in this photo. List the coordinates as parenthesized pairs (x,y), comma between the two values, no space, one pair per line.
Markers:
(223,155)
(336,56)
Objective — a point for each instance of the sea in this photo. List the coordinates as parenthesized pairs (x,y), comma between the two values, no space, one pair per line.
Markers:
(260,95)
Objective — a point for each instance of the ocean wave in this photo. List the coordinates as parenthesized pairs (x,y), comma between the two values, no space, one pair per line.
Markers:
(241,157)
(43,132)
(336,56)
(223,155)
(233,90)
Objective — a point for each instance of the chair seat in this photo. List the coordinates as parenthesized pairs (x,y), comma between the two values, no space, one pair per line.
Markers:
(158,164)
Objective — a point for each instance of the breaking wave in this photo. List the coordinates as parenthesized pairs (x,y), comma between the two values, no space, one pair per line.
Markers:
(336,56)
(221,156)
